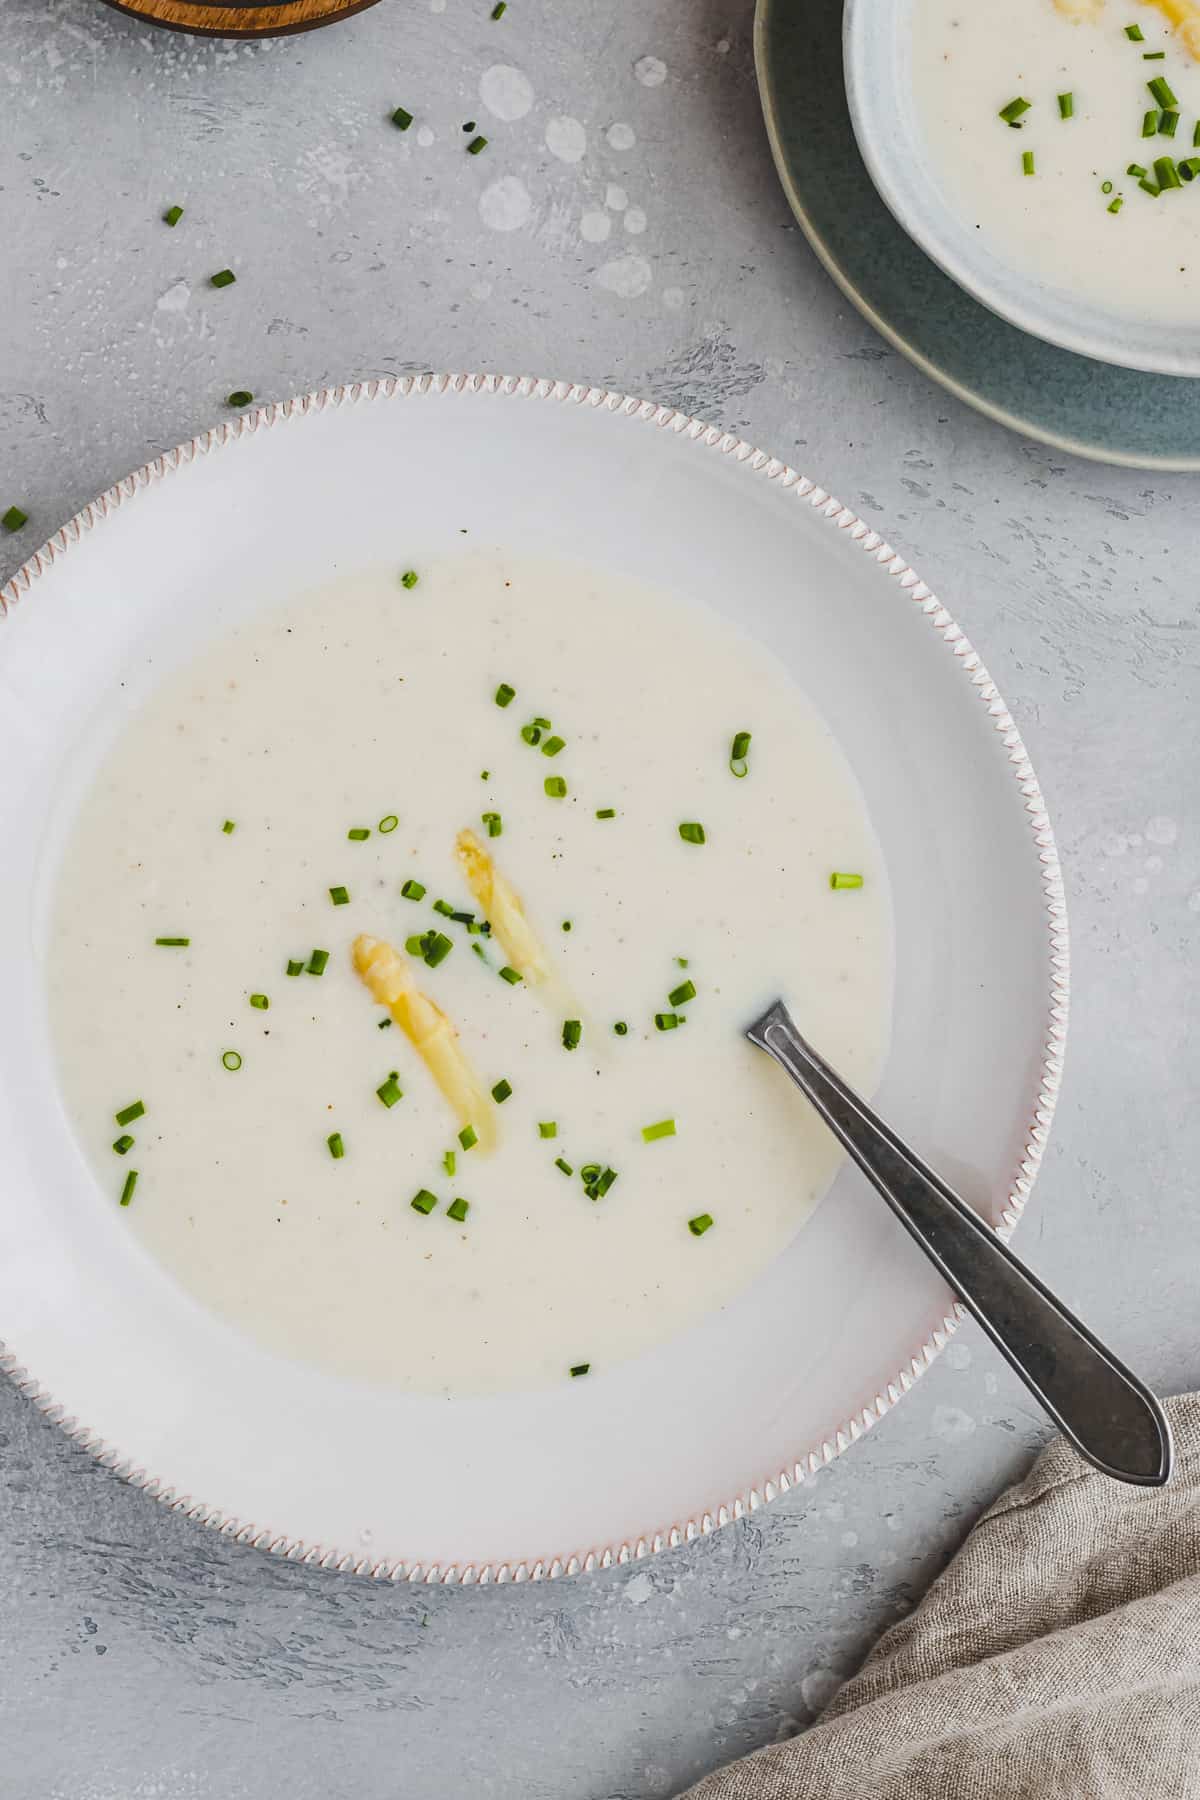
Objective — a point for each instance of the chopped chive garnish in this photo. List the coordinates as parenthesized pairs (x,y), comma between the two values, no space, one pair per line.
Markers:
(572,1033)
(174,943)
(691,832)
(580,1369)
(532,734)
(123,1145)
(540,724)
(384,1025)
(409,579)
(484,774)
(564,1166)
(358,834)
(317,962)
(682,961)
(172,215)
(512,976)
(606,812)
(294,967)
(589,1174)
(1165,172)
(738,751)
(1027,162)
(231,1061)
(1168,124)
(555,787)
(1106,187)
(1189,168)
(259,1002)
(1160,87)
(1153,55)
(437,948)
(476,145)
(468,1137)
(388,823)
(240,397)
(423,1201)
(1150,123)
(1150,187)
(1012,112)
(505,695)
(402,118)
(494,823)
(481,953)
(553,745)
(1135,34)
(130,1184)
(680,995)
(1066,106)
(415,946)
(501,1092)
(390,1090)
(665,1021)
(1136,170)
(548,1130)
(340,896)
(449,1162)
(337,1148)
(128,1114)
(621,1028)
(840,880)
(444,907)
(1196,135)
(566,924)
(223,278)
(14,518)
(664,1129)
(229,827)
(700,1224)
(458,1210)
(1114,206)
(500,8)
(604,1183)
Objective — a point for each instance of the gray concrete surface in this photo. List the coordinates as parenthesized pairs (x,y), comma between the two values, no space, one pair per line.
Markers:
(140,1657)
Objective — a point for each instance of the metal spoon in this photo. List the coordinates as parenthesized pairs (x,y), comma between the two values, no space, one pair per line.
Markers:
(1111,1419)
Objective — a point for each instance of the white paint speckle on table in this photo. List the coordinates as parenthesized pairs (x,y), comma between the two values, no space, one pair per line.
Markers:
(507,93)
(566,138)
(626,276)
(651,71)
(621,137)
(594,227)
(505,205)
(635,221)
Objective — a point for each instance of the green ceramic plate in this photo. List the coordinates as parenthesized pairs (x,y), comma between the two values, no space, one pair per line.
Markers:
(1089,408)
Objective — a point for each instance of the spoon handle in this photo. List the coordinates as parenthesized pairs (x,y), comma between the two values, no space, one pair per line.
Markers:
(1111,1419)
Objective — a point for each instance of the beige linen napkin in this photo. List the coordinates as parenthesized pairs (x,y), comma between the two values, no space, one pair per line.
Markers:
(1058,1658)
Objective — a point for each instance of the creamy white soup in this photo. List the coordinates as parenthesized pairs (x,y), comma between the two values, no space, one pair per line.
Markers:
(277,961)
(1065,132)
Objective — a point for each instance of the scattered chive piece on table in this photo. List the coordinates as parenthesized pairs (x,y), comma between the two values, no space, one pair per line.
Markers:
(358,834)
(458,1210)
(468,1137)
(1027,167)
(389,1091)
(123,1145)
(501,1092)
(580,1369)
(680,995)
(1114,206)
(564,1166)
(174,943)
(1150,123)
(738,751)
(388,823)
(1160,87)
(402,118)
(505,695)
(476,145)
(572,1033)
(553,745)
(841,880)
(512,976)
(231,1061)
(494,823)
(240,397)
(339,896)
(700,1224)
(229,827)
(621,1028)
(423,1201)
(665,1021)
(14,518)
(606,812)
(223,278)
(1012,112)
(691,832)
(664,1129)
(1066,106)
(555,787)
(259,1002)
(317,962)
(337,1148)
(172,215)
(1165,172)
(500,8)
(130,1184)
(548,1130)
(409,579)
(294,967)
(1168,124)
(129,1113)
(1135,34)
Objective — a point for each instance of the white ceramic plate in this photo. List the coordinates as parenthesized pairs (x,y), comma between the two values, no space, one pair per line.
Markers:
(722,1418)
(877,40)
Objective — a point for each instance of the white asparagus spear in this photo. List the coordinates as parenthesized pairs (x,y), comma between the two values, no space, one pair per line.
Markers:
(501,907)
